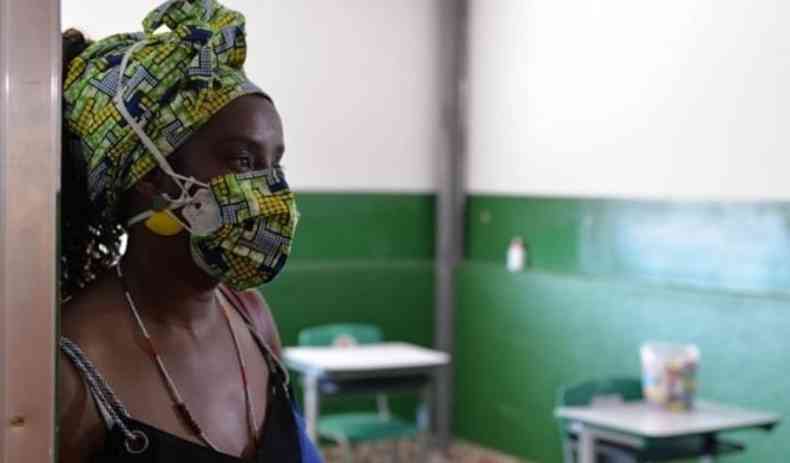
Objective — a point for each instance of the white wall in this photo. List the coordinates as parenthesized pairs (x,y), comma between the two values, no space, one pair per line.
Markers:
(671,98)
(357,82)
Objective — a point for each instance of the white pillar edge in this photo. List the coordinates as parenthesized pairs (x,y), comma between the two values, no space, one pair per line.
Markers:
(30,95)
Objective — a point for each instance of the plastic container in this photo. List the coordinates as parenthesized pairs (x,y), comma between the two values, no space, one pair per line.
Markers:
(669,374)
(516,255)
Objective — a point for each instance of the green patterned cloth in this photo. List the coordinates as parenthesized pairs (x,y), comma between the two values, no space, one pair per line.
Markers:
(171,86)
(256,216)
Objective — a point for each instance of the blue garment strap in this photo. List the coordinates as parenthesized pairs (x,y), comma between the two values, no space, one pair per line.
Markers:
(310,453)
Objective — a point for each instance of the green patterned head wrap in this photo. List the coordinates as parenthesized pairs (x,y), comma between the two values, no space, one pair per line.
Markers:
(173,82)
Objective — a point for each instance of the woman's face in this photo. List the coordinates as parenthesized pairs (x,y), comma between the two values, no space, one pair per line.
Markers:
(245,135)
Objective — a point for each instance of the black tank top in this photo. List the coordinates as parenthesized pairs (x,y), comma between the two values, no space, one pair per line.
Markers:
(282,438)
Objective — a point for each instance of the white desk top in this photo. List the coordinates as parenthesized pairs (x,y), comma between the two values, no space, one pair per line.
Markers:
(364,358)
(645,420)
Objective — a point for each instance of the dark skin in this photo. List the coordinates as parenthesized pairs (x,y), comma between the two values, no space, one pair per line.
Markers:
(177,302)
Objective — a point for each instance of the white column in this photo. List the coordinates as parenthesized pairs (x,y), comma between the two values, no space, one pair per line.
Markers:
(30,68)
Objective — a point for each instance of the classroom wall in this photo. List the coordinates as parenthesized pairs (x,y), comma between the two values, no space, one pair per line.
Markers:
(606,275)
(637,148)
(547,329)
(629,98)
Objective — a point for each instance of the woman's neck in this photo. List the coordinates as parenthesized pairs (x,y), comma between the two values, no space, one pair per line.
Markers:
(166,285)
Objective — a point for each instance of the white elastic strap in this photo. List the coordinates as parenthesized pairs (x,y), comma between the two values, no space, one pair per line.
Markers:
(139,218)
(184,183)
(118,99)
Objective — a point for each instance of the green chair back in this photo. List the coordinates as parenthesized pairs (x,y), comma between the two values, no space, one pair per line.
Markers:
(582,394)
(340,334)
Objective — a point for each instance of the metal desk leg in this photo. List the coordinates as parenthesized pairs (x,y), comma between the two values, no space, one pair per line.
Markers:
(424,424)
(311,406)
(586,445)
(710,446)
(589,436)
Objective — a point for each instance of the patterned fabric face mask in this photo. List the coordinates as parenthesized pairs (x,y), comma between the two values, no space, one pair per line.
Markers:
(242,227)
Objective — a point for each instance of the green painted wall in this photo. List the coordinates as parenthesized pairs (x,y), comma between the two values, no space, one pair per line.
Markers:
(607,275)
(743,246)
(364,258)
(396,295)
(359,256)
(364,226)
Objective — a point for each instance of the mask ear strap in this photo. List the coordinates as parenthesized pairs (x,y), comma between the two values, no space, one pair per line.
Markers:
(184,183)
(140,218)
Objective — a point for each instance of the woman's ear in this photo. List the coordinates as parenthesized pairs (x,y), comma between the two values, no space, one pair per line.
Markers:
(141,197)
(147,189)
(151,187)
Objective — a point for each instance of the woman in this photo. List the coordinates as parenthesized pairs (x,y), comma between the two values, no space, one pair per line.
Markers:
(165,356)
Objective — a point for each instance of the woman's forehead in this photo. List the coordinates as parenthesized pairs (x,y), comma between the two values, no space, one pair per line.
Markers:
(250,120)
(248,117)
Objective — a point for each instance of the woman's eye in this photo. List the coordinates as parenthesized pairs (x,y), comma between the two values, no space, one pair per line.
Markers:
(243,162)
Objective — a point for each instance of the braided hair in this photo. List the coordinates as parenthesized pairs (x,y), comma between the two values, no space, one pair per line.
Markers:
(90,239)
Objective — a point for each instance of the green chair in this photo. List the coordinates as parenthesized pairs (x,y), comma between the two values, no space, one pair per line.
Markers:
(348,429)
(658,450)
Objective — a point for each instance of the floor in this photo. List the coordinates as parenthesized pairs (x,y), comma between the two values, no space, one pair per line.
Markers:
(461,452)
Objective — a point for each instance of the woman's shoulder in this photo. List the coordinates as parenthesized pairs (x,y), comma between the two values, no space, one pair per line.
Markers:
(82,431)
(96,321)
(93,319)
(257,311)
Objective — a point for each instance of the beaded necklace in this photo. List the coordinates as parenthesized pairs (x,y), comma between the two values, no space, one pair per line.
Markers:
(181,407)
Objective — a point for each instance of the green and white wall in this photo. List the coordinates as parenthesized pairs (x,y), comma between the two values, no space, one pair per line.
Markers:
(637,147)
